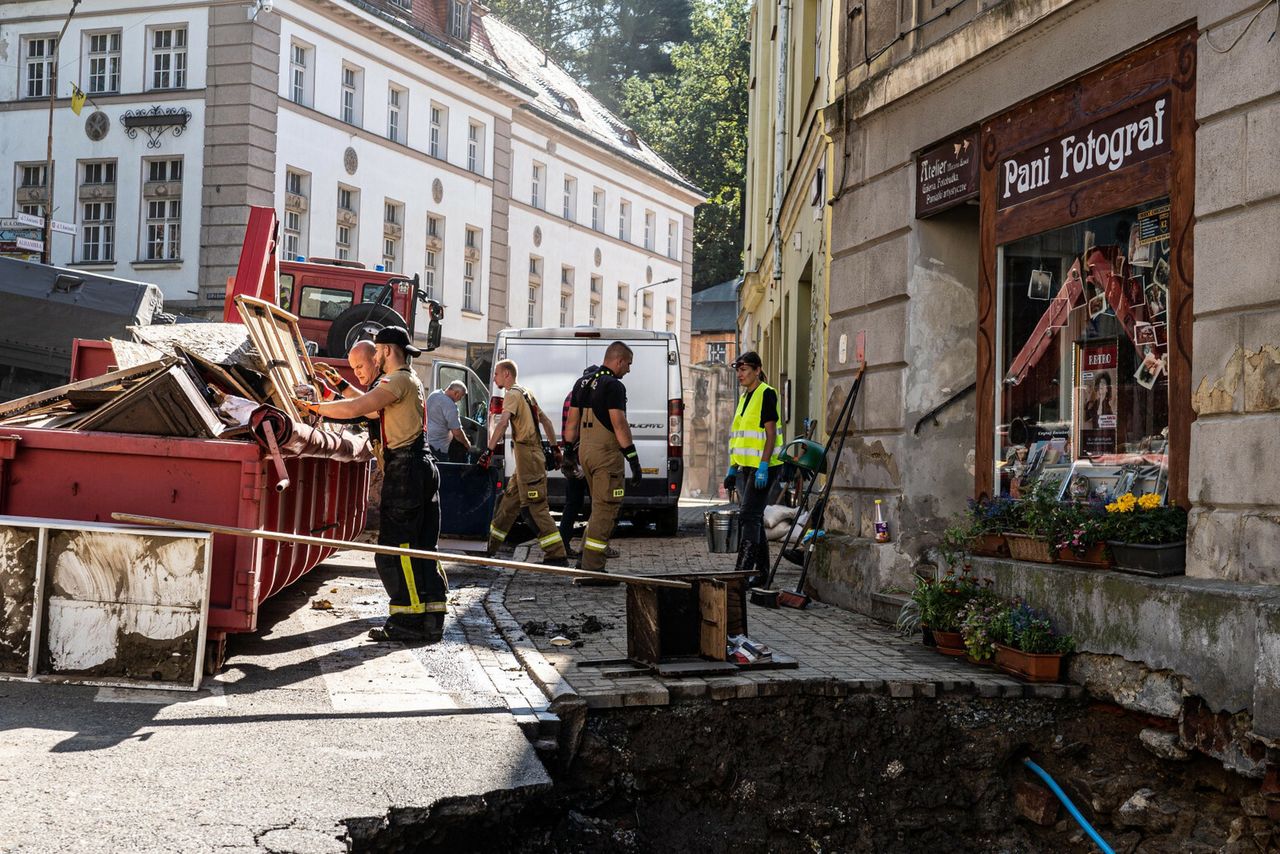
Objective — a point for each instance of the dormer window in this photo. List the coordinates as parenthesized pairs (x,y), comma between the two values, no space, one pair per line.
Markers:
(460,19)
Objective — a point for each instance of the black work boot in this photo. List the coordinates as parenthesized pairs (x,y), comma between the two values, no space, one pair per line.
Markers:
(427,630)
(746,557)
(761,566)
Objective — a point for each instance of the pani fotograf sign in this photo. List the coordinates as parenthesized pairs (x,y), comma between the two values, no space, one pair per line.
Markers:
(947,174)
(1116,142)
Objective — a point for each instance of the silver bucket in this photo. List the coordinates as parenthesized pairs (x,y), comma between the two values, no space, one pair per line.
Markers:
(722,531)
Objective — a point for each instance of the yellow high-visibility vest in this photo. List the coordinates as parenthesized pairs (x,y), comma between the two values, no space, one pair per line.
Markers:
(747,437)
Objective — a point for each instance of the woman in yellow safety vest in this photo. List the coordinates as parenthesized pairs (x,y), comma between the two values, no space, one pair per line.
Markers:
(754,443)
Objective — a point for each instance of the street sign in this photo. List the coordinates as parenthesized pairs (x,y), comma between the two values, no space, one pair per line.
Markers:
(13,224)
(26,220)
(64,227)
(29,244)
(30,220)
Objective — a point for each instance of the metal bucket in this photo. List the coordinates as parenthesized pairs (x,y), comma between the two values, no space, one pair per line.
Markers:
(722,531)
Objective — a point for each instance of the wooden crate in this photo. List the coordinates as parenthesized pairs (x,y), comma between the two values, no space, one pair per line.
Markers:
(665,624)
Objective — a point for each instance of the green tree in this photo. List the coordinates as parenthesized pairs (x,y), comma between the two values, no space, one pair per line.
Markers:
(695,116)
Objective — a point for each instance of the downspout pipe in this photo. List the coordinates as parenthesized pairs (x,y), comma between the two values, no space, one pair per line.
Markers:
(780,134)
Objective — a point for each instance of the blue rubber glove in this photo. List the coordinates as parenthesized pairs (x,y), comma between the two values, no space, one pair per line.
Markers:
(762,475)
(731,478)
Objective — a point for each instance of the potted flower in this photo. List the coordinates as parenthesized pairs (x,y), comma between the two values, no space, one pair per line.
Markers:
(1037,526)
(976,622)
(1027,645)
(921,609)
(954,594)
(1146,535)
(1083,537)
(979,530)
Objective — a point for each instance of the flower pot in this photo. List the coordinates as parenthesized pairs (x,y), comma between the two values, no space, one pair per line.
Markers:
(990,545)
(1096,557)
(980,662)
(949,643)
(1034,549)
(928,636)
(1165,559)
(1034,667)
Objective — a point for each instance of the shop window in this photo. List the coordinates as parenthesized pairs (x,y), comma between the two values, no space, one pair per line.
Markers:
(1082,397)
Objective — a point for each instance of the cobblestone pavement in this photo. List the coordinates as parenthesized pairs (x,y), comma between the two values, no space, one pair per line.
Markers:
(838,651)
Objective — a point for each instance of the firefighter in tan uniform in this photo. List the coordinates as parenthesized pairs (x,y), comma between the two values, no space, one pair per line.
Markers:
(599,438)
(528,489)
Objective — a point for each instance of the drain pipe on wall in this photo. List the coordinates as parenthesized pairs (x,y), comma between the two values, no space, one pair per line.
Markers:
(780,135)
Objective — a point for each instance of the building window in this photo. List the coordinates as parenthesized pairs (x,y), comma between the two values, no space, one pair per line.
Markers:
(169,58)
(435,250)
(97,197)
(567,275)
(671,315)
(646,316)
(392,233)
(570,198)
(475,147)
(718,352)
(535,267)
(460,19)
(593,307)
(597,284)
(162,197)
(650,226)
(624,293)
(348,222)
(438,134)
(403,4)
(624,220)
(566,296)
(300,64)
(104,63)
(535,192)
(470,266)
(352,98)
(597,209)
(397,102)
(673,238)
(37,59)
(534,317)
(296,192)
(33,188)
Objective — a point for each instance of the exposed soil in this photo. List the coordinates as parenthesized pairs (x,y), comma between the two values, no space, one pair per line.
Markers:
(858,773)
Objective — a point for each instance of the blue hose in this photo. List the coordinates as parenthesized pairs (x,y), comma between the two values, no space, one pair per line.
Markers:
(1071,808)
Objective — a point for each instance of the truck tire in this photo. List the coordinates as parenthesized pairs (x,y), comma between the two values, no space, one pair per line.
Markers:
(667,522)
(360,322)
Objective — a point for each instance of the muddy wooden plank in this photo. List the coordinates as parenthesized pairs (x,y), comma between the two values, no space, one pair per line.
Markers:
(222,343)
(32,401)
(167,404)
(18,555)
(677,669)
(713,638)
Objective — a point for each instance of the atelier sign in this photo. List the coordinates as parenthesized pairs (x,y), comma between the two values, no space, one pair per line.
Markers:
(1118,141)
(947,174)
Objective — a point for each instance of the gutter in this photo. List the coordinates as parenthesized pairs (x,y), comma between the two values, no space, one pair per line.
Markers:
(780,134)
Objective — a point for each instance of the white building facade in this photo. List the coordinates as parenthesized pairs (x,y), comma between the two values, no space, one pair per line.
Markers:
(423,136)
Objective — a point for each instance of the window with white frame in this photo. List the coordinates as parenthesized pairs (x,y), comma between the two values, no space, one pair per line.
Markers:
(475,148)
(37,66)
(536,197)
(470,270)
(460,19)
(597,209)
(103,53)
(718,352)
(593,307)
(32,188)
(392,234)
(297,190)
(646,315)
(567,274)
(650,227)
(534,317)
(438,132)
(97,195)
(435,254)
(352,94)
(624,220)
(624,293)
(673,239)
(300,62)
(671,314)
(162,204)
(348,222)
(397,104)
(570,198)
(169,58)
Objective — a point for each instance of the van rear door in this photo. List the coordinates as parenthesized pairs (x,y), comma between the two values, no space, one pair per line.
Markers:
(474,406)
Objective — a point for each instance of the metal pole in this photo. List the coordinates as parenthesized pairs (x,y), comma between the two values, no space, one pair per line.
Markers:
(48,159)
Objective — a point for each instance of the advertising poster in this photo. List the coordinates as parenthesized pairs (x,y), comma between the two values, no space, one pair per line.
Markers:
(1097,410)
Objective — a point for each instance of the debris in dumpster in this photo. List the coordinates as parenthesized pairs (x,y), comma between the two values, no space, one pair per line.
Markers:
(274,332)
(225,344)
(168,403)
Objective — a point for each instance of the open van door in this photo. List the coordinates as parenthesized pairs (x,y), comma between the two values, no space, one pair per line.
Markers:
(474,406)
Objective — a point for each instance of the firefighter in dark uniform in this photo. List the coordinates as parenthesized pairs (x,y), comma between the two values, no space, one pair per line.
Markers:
(528,489)
(598,437)
(410,491)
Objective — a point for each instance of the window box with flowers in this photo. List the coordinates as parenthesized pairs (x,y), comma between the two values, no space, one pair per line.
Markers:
(1084,536)
(1147,536)
(1027,644)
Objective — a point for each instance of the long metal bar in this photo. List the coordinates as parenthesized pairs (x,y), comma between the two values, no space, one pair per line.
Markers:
(475,560)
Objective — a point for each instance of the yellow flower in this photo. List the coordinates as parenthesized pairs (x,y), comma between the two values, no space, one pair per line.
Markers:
(1149,501)
(1124,504)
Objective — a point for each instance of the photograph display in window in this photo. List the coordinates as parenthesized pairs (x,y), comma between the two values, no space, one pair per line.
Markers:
(1083,317)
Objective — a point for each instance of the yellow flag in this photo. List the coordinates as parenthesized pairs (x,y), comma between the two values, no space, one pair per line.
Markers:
(77,99)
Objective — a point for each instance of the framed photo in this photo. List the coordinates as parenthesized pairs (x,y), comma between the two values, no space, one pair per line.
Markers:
(1139,253)
(1087,482)
(1041,285)
(1161,331)
(1144,333)
(1055,476)
(1135,292)
(1097,305)
(1157,299)
(1150,368)
(1160,274)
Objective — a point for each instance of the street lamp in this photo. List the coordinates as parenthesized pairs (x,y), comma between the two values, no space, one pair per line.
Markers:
(635,298)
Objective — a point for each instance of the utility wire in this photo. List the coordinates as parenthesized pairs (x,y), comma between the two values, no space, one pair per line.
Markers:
(1237,39)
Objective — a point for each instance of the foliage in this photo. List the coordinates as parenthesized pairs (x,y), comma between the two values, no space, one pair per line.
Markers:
(941,600)
(976,621)
(1083,525)
(1144,521)
(981,516)
(1028,629)
(1040,514)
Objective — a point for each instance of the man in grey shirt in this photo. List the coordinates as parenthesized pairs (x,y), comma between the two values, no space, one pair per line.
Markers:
(444,426)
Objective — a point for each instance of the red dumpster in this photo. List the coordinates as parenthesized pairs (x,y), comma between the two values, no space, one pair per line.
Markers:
(88,476)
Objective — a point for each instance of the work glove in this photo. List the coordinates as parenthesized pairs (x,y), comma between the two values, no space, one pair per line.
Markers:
(569,465)
(762,474)
(482,462)
(305,407)
(557,457)
(633,460)
(731,479)
(330,375)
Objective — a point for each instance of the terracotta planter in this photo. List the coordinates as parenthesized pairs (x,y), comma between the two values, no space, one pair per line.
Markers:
(1097,557)
(983,662)
(949,643)
(1034,549)
(1166,559)
(990,545)
(1033,667)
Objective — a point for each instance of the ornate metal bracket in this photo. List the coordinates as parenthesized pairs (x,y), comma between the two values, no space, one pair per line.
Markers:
(154,122)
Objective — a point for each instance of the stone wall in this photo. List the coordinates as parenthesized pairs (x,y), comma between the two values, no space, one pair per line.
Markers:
(708,412)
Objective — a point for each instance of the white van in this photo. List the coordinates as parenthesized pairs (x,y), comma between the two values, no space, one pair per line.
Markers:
(551,360)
